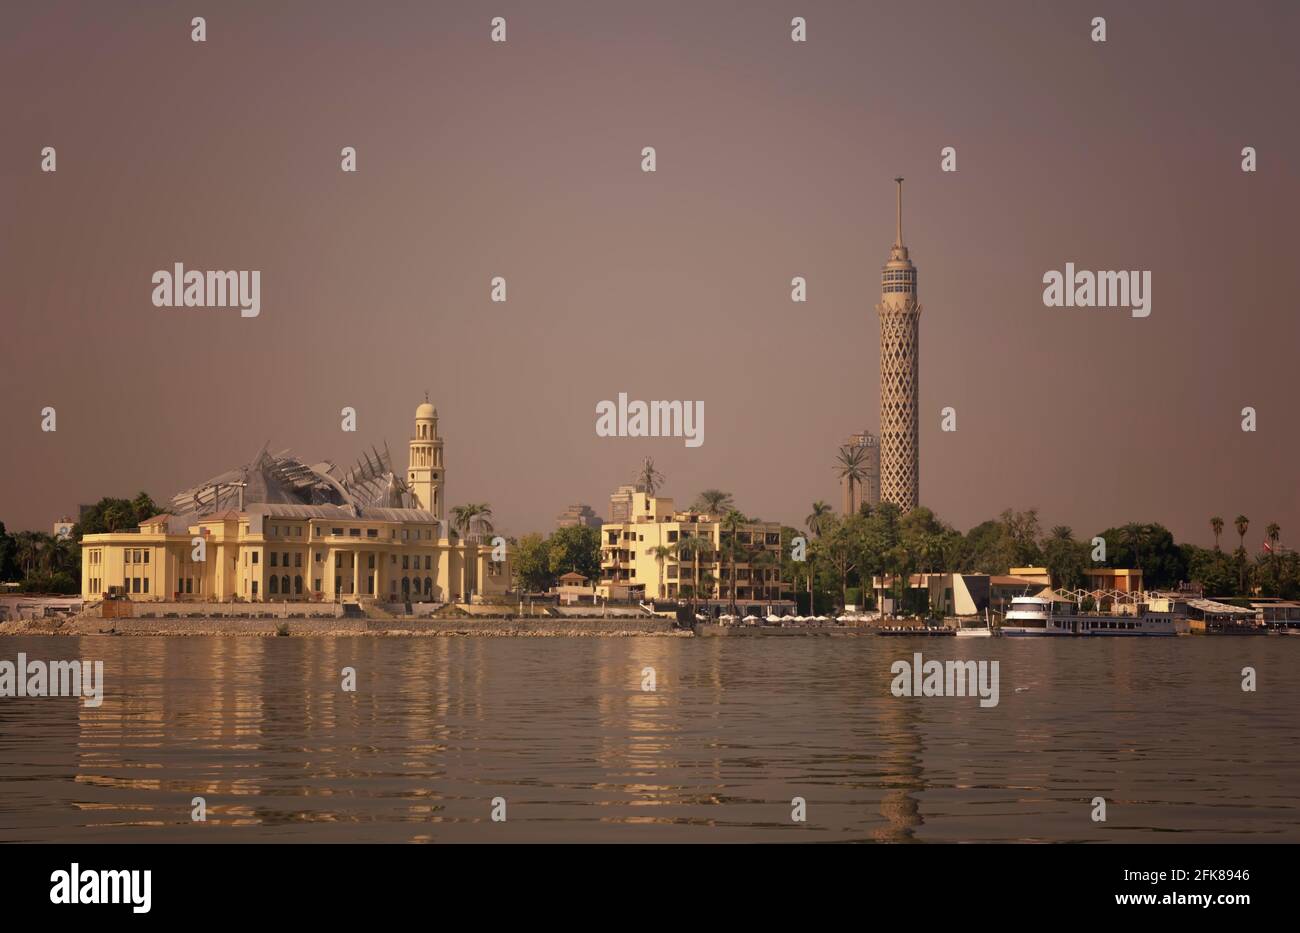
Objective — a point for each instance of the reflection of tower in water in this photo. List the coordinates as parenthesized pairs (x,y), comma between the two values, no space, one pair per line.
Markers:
(900,771)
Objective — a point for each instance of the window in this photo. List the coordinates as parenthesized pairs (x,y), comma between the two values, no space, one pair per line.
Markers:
(428,562)
(336,531)
(297,559)
(146,557)
(338,561)
(372,532)
(406,562)
(255,557)
(354,532)
(273,557)
(319,558)
(284,559)
(146,584)
(272,585)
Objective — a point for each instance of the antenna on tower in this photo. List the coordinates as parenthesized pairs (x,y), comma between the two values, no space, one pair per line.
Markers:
(898,238)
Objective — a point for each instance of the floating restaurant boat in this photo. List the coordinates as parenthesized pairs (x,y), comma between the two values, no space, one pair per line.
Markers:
(714,630)
(1032,616)
(930,631)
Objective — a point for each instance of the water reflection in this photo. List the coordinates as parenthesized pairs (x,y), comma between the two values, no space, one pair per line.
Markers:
(733,731)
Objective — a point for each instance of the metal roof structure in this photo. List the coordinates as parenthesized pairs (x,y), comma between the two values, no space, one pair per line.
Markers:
(283,485)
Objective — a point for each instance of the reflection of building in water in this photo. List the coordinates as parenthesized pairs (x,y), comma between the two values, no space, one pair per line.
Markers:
(278,529)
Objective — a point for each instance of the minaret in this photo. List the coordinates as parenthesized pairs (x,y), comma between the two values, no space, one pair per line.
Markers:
(426,475)
(900,353)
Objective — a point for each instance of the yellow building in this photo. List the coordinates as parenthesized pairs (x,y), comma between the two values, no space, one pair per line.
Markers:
(278,529)
(630,559)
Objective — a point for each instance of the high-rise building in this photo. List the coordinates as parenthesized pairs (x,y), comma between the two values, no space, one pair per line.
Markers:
(620,502)
(900,355)
(578,514)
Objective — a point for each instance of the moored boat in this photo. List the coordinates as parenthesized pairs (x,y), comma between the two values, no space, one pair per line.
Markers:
(1031,616)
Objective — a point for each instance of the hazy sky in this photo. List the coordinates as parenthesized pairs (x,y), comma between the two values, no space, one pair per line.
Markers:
(775,159)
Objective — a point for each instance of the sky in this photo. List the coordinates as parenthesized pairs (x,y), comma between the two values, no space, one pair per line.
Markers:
(775,159)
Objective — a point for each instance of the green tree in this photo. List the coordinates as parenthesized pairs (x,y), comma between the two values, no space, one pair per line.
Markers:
(1066,559)
(7,568)
(1216,525)
(575,549)
(531,563)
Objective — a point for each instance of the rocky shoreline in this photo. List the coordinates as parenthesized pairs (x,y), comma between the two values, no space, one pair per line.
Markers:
(347,627)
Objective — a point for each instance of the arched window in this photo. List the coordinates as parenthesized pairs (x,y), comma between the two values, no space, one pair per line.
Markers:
(284,584)
(297,586)
(406,587)
(272,585)
(428,587)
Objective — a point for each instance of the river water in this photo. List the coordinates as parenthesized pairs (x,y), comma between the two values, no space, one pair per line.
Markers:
(563,732)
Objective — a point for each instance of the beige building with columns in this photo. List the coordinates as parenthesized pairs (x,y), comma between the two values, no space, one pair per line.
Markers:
(278,529)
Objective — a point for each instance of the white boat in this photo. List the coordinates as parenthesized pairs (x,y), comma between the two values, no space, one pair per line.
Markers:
(976,631)
(1030,616)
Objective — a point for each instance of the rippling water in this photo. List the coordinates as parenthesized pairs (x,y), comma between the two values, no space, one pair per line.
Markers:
(561,728)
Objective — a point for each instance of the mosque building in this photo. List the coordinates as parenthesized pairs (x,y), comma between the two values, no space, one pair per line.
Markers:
(278,529)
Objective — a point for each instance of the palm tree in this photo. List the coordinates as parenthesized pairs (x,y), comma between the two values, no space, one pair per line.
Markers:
(1242,524)
(760,561)
(27,551)
(649,479)
(851,464)
(1135,535)
(819,519)
(714,502)
(660,552)
(732,522)
(119,515)
(691,545)
(473,516)
(1216,525)
(1274,532)
(54,553)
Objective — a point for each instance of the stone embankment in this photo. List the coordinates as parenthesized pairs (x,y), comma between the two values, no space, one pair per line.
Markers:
(537,627)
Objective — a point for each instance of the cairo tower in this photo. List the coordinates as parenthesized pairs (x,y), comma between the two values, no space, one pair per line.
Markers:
(900,355)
